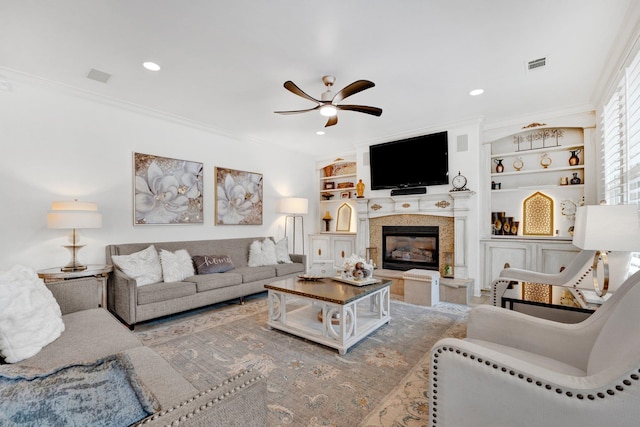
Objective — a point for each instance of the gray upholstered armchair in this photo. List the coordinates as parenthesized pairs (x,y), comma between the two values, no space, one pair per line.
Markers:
(514,369)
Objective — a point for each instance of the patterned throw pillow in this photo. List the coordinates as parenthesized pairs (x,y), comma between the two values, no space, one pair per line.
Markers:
(208,264)
(262,253)
(282,251)
(177,265)
(144,266)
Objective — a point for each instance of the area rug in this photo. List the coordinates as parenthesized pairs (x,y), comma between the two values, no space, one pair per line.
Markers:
(381,381)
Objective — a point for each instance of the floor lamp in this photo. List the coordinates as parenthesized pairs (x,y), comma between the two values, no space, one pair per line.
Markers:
(294,207)
(606,228)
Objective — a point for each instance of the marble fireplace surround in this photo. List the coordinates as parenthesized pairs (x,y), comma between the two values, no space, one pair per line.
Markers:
(447,211)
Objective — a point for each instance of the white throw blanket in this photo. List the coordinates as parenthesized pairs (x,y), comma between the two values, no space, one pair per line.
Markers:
(30,317)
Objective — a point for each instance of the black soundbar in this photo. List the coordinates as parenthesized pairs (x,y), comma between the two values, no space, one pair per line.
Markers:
(407,191)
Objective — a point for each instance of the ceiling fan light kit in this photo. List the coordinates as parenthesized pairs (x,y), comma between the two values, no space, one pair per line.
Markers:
(328,104)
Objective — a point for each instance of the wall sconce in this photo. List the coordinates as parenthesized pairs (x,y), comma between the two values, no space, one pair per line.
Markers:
(74,215)
(294,207)
(606,228)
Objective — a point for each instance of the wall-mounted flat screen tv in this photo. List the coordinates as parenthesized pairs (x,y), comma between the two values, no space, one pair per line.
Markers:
(413,162)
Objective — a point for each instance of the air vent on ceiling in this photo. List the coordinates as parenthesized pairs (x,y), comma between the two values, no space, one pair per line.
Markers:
(97,75)
(536,64)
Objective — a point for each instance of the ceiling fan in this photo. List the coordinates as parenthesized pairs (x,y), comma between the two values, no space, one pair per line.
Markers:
(328,104)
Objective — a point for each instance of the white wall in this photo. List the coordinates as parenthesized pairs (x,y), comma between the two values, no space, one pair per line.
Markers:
(57,144)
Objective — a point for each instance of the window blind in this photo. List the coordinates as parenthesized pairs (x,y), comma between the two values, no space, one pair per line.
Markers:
(621,143)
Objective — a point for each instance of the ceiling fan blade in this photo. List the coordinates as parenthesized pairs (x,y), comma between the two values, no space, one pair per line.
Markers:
(291,87)
(375,111)
(332,121)
(352,89)
(297,111)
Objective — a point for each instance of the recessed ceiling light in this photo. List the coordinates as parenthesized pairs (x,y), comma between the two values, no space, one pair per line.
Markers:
(476,92)
(152,66)
(320,132)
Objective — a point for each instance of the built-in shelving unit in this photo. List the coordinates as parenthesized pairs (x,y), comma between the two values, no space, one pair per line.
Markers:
(535,158)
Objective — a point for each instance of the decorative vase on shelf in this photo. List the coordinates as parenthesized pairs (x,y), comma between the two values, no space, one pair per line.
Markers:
(575,180)
(574,160)
(499,165)
(360,189)
(518,164)
(545,161)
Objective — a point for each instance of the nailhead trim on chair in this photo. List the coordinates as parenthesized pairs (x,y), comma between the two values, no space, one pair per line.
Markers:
(634,376)
(209,403)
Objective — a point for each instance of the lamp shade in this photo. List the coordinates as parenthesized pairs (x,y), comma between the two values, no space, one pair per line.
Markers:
(294,205)
(74,215)
(607,227)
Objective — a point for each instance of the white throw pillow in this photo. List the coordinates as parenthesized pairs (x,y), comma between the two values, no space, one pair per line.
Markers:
(177,265)
(262,253)
(282,251)
(30,317)
(144,266)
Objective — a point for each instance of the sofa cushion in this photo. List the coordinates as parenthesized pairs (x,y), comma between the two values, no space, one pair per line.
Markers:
(286,269)
(30,317)
(207,282)
(282,251)
(144,266)
(209,264)
(262,253)
(164,291)
(88,335)
(253,274)
(176,266)
(167,385)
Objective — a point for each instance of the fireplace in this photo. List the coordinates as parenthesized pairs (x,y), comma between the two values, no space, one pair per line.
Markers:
(407,247)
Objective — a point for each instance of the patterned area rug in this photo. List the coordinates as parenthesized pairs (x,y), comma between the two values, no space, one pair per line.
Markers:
(381,381)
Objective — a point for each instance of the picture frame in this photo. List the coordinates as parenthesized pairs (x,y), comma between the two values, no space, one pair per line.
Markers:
(345,195)
(329,185)
(166,191)
(238,197)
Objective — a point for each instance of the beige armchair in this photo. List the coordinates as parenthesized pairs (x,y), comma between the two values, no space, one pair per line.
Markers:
(519,370)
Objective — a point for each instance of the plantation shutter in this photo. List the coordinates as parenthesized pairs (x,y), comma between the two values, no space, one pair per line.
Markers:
(621,143)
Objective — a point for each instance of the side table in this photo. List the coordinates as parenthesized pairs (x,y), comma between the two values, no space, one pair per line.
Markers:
(99,271)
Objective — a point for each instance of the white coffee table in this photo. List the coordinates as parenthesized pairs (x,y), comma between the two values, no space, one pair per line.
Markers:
(328,312)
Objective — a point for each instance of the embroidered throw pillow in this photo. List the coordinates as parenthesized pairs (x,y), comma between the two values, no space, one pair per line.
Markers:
(282,251)
(30,317)
(262,253)
(208,264)
(176,266)
(144,266)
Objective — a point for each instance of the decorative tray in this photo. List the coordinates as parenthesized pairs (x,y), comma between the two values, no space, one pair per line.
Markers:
(364,282)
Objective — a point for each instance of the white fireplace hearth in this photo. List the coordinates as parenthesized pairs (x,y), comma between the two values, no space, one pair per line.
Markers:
(449,211)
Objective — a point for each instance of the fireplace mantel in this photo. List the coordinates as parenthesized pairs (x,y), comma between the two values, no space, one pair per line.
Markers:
(454,204)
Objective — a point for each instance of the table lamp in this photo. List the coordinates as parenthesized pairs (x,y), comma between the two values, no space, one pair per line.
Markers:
(74,215)
(606,228)
(294,207)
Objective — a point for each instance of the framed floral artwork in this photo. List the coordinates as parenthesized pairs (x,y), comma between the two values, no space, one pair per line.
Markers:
(167,191)
(238,197)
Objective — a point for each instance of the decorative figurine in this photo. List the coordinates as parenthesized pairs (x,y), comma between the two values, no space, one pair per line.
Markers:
(360,189)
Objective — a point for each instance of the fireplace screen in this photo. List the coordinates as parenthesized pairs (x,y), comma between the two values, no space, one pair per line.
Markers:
(407,247)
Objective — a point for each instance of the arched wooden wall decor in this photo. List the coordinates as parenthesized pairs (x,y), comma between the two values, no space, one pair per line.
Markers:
(537,212)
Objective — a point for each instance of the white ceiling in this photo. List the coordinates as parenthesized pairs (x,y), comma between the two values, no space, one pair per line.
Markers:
(224,62)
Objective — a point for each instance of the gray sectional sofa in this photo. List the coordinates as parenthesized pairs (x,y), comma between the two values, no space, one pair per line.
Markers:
(134,304)
(94,333)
